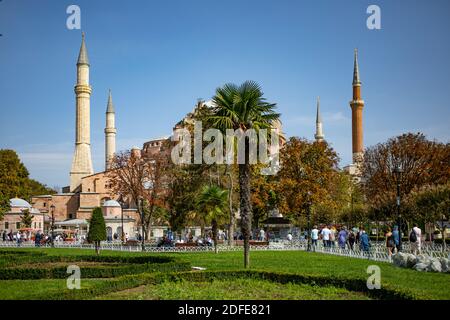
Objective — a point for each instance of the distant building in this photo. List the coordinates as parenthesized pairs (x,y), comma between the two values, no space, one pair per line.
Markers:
(12,219)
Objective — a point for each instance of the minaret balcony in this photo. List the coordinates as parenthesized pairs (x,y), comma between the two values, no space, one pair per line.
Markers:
(82,88)
(357,102)
(111,130)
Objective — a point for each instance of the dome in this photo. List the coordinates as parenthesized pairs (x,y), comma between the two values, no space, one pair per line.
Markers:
(111,203)
(18,203)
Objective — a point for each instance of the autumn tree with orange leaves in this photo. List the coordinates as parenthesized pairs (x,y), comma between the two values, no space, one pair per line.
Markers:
(308,171)
(141,180)
(423,162)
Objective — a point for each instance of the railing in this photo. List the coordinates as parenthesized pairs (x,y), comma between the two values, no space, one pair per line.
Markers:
(377,251)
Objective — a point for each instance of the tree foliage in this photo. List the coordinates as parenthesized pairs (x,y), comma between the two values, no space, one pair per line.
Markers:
(142,180)
(308,174)
(243,107)
(26,218)
(423,162)
(212,203)
(97,228)
(15,181)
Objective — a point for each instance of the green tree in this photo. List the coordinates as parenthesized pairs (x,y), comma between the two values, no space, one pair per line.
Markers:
(243,107)
(97,228)
(26,218)
(212,203)
(431,204)
(15,181)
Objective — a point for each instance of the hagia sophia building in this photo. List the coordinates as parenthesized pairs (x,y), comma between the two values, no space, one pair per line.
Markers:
(72,208)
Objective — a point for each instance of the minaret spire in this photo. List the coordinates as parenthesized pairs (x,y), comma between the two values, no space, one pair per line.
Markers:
(356,80)
(110,133)
(319,133)
(83,56)
(82,161)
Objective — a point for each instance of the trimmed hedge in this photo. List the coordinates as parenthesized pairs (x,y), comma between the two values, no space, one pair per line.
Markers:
(131,265)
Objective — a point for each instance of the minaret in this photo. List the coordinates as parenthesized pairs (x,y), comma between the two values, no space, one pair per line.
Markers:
(82,162)
(110,133)
(319,133)
(357,105)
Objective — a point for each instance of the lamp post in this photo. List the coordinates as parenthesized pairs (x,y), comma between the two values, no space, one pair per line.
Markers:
(309,220)
(122,204)
(52,210)
(398,173)
(141,205)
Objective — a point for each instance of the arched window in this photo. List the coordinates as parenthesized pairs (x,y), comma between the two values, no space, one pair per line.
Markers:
(104,200)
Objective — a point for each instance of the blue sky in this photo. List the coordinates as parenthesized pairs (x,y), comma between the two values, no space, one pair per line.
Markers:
(159,57)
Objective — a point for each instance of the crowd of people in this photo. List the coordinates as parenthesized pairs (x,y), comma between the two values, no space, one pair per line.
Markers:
(37,237)
(348,239)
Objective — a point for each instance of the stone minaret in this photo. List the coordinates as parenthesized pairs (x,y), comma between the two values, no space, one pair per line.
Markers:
(357,105)
(319,133)
(82,162)
(110,133)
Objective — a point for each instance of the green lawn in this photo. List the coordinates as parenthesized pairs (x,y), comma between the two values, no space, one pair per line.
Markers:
(420,285)
(239,289)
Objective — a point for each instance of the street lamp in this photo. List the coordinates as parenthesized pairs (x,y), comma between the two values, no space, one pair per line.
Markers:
(121,222)
(141,200)
(398,173)
(309,220)
(52,210)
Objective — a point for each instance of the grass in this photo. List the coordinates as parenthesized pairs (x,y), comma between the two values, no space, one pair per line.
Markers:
(421,285)
(38,289)
(239,289)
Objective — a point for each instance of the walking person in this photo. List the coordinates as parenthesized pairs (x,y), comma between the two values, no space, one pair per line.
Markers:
(314,237)
(415,239)
(390,243)
(332,236)
(351,239)
(325,233)
(365,242)
(396,236)
(342,238)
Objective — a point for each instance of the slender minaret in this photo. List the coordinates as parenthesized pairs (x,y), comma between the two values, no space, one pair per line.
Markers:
(319,133)
(82,162)
(110,133)
(357,105)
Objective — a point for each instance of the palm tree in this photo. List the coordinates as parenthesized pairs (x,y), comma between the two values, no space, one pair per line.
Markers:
(243,107)
(212,203)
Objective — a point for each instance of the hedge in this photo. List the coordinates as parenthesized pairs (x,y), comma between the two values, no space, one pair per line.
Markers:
(131,265)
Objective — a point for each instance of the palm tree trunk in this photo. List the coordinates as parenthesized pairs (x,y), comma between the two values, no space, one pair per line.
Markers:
(230,204)
(245,206)
(214,231)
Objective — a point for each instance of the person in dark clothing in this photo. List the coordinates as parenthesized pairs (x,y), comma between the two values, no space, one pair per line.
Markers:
(37,239)
(351,239)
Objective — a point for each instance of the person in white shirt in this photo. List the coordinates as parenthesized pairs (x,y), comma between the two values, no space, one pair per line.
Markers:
(416,246)
(314,237)
(289,237)
(262,235)
(325,233)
